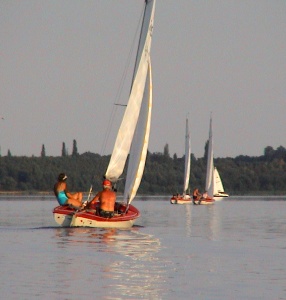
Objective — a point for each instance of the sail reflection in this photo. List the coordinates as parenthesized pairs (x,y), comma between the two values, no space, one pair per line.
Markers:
(188,221)
(214,222)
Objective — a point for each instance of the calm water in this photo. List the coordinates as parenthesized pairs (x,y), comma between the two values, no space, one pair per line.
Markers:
(234,249)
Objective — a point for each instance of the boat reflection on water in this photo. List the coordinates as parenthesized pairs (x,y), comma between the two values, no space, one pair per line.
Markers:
(214,222)
(204,221)
(125,261)
(188,211)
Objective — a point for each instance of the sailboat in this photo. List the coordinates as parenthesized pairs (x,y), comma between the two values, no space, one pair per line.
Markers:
(208,199)
(132,139)
(218,189)
(185,197)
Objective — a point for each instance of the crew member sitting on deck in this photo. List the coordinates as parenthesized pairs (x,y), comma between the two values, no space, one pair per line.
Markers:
(64,196)
(106,199)
(197,197)
(196,194)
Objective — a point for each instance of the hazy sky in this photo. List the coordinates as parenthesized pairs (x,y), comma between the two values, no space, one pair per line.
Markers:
(62,63)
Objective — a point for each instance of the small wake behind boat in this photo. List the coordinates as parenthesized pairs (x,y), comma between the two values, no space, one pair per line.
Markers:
(132,139)
(185,198)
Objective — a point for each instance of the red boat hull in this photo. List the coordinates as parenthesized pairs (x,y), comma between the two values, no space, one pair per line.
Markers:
(204,201)
(68,217)
(181,199)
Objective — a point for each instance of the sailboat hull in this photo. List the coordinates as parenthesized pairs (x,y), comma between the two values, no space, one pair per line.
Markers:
(181,199)
(68,217)
(206,201)
(63,215)
(220,196)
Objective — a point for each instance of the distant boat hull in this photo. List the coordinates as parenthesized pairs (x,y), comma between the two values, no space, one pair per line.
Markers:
(206,201)
(68,217)
(220,196)
(181,199)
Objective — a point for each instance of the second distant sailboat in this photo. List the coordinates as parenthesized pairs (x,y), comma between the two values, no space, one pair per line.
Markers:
(185,197)
(208,199)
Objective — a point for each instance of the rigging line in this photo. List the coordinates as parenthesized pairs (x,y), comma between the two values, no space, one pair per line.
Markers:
(119,91)
(141,28)
(108,130)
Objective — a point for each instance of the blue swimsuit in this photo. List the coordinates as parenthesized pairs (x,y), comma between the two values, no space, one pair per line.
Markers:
(62,197)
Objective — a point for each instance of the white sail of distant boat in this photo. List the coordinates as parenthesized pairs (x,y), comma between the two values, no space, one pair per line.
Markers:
(187,158)
(210,164)
(208,197)
(185,198)
(214,186)
(218,189)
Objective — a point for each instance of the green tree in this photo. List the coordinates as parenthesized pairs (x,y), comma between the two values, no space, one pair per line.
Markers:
(43,152)
(166,151)
(268,152)
(64,151)
(74,149)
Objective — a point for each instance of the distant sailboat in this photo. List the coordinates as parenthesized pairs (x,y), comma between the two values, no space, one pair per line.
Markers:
(185,197)
(218,190)
(209,173)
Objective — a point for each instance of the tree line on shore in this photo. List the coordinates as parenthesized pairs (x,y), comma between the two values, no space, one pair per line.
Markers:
(163,175)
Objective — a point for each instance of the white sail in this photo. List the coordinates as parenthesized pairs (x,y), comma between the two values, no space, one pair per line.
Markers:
(187,157)
(218,186)
(128,124)
(210,164)
(218,189)
(139,147)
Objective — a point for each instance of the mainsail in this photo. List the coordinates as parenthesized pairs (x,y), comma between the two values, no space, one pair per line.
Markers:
(210,164)
(139,147)
(127,128)
(187,157)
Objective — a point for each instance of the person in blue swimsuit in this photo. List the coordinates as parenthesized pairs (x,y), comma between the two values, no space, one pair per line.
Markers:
(62,194)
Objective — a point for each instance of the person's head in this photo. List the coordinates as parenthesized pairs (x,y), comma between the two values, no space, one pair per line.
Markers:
(62,177)
(106,184)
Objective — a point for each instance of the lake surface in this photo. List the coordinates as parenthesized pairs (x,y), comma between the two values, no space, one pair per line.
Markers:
(234,249)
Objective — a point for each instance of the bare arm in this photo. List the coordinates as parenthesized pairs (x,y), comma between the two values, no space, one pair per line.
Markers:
(96,197)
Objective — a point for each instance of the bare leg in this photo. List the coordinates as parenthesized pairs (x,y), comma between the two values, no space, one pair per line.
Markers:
(74,202)
(76,196)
